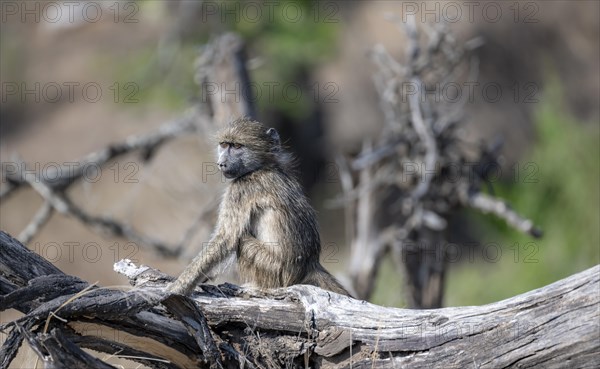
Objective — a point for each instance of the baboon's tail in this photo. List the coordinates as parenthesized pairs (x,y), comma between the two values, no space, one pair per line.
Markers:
(321,278)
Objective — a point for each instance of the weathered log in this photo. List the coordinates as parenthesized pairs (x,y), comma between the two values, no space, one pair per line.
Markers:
(301,326)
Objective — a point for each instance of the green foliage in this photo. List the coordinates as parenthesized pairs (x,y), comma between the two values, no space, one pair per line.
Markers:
(291,38)
(388,286)
(563,199)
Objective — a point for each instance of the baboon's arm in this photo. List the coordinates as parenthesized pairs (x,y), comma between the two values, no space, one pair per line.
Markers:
(215,251)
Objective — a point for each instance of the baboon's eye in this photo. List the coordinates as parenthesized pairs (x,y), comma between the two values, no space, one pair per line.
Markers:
(237,145)
(223,145)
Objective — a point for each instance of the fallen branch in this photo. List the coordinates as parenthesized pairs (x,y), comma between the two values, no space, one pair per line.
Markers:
(301,326)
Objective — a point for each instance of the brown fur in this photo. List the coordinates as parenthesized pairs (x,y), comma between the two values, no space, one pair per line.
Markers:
(264,217)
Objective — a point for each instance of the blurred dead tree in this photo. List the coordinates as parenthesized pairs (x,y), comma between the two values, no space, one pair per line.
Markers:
(221,62)
(400,190)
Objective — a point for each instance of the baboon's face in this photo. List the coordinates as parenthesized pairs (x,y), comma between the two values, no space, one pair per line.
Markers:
(236,160)
(246,146)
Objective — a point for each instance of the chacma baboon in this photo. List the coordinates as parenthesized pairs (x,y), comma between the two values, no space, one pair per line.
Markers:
(264,217)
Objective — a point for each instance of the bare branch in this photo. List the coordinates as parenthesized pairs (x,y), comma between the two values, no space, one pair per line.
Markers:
(431,156)
(489,204)
(148,143)
(63,205)
(39,219)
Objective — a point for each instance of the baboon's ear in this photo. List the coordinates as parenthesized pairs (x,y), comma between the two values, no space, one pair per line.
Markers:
(272,132)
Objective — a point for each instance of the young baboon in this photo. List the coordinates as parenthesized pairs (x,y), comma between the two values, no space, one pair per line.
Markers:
(264,217)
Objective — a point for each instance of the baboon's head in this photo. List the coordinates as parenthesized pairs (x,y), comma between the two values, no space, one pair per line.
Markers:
(245,146)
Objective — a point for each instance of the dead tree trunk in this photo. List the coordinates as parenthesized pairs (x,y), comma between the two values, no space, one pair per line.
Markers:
(556,326)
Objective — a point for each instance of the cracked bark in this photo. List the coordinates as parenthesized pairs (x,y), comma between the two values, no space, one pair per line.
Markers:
(556,326)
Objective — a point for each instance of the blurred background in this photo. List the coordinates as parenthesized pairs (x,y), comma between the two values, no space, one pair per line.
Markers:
(78,76)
